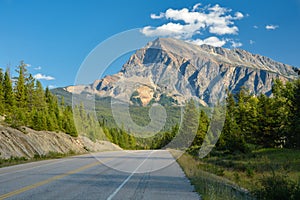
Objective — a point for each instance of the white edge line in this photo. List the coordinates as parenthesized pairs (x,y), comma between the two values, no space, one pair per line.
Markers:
(127,179)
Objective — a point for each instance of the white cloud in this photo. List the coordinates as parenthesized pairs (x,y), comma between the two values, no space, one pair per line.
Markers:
(218,9)
(213,41)
(27,65)
(40,76)
(239,15)
(196,6)
(171,29)
(187,24)
(271,27)
(256,27)
(38,68)
(235,44)
(251,42)
(222,30)
(161,15)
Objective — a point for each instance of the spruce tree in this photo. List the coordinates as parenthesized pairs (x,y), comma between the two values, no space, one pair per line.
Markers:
(8,94)
(30,92)
(188,128)
(1,93)
(20,86)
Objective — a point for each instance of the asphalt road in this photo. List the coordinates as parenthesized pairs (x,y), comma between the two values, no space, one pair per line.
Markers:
(108,175)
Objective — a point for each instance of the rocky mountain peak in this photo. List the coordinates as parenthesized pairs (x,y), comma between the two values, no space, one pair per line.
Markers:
(180,70)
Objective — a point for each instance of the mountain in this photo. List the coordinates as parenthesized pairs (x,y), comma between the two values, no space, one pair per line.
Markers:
(171,70)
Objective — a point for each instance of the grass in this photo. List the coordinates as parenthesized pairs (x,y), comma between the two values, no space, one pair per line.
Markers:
(222,176)
(5,162)
(247,169)
(209,185)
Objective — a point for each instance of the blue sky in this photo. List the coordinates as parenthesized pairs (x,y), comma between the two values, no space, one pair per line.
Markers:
(55,36)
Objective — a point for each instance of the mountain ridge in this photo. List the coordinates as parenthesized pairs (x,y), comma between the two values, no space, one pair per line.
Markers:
(220,51)
(181,70)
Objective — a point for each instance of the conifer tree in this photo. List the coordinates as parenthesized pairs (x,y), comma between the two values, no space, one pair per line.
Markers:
(30,92)
(1,93)
(20,86)
(189,126)
(8,94)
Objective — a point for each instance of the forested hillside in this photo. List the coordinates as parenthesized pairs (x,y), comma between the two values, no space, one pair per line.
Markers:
(24,102)
(257,150)
(254,122)
(250,120)
(263,121)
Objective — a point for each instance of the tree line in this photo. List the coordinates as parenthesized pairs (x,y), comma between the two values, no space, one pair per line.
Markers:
(262,121)
(250,121)
(253,122)
(24,102)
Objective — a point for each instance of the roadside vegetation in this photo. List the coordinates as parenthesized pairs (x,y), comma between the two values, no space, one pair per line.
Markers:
(263,174)
(259,148)
(4,162)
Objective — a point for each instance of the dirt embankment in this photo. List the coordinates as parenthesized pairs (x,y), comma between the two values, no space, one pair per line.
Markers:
(28,142)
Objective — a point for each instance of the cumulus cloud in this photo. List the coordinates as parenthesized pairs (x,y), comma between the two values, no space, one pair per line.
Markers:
(188,24)
(213,41)
(272,27)
(40,76)
(256,27)
(154,16)
(223,29)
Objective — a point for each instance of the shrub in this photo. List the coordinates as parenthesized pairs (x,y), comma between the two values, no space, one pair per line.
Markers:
(277,187)
(249,172)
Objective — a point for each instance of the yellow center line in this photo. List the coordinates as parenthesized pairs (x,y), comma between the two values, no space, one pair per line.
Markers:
(30,187)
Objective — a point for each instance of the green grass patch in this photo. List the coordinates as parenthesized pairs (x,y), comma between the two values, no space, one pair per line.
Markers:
(207,184)
(248,169)
(4,162)
(265,173)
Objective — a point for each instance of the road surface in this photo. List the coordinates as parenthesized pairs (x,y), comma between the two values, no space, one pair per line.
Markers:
(107,175)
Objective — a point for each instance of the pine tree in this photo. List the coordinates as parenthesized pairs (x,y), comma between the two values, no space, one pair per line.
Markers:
(39,97)
(189,126)
(1,93)
(232,139)
(68,122)
(8,94)
(30,92)
(20,86)
(202,129)
(294,133)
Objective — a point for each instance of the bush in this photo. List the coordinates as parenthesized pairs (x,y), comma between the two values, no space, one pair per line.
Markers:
(277,187)
(297,191)
(249,172)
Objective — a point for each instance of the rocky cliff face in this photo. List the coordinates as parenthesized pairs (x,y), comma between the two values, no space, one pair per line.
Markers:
(29,143)
(180,70)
